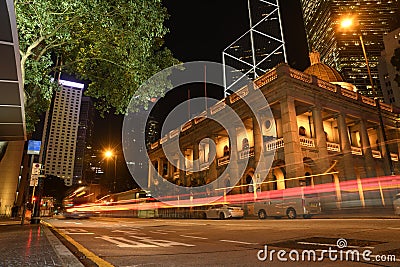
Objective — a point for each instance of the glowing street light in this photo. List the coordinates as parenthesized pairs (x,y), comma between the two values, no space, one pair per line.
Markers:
(109,154)
(347,23)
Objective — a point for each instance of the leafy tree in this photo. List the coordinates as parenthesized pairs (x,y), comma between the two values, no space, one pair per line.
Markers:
(395,60)
(115,44)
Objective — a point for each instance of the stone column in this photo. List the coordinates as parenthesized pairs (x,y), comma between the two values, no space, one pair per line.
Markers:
(212,172)
(323,157)
(160,166)
(347,159)
(367,151)
(293,154)
(233,159)
(259,160)
(384,152)
(196,162)
(182,172)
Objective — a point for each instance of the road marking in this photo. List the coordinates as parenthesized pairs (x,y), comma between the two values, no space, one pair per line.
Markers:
(161,242)
(239,242)
(394,228)
(196,237)
(90,255)
(329,245)
(77,231)
(125,243)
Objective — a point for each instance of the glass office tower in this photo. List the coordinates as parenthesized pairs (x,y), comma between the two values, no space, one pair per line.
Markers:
(342,49)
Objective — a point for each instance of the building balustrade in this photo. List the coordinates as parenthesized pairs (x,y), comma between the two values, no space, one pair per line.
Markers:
(176,175)
(186,126)
(307,142)
(204,165)
(223,161)
(327,86)
(218,107)
(239,94)
(273,145)
(154,145)
(376,154)
(267,78)
(368,100)
(334,147)
(300,76)
(394,157)
(356,151)
(247,153)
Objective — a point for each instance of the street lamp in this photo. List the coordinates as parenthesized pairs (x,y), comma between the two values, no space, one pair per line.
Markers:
(347,23)
(109,154)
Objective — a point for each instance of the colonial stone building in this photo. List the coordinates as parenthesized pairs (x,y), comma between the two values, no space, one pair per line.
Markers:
(326,132)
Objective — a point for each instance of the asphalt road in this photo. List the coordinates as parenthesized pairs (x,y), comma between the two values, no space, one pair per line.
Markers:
(169,242)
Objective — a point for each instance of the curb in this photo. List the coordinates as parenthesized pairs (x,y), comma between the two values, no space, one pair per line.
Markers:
(66,256)
(88,257)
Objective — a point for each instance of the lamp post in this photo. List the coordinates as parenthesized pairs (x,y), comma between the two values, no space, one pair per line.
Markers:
(109,154)
(346,23)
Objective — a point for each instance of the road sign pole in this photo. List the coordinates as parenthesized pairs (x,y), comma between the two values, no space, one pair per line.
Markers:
(26,190)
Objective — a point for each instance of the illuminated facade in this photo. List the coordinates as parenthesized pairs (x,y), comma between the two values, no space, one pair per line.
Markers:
(387,72)
(61,137)
(326,132)
(342,50)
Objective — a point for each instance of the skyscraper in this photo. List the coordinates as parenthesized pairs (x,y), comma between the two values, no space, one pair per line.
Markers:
(387,72)
(60,134)
(341,49)
(84,140)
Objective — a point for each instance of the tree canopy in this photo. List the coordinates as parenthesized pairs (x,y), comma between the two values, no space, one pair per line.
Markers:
(114,44)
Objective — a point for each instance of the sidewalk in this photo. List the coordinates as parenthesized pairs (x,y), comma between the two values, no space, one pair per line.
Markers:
(32,245)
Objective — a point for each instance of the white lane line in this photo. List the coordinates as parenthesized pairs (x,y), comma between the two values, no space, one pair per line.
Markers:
(329,245)
(239,242)
(80,233)
(195,237)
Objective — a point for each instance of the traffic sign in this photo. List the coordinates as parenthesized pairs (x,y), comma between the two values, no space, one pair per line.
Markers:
(36,168)
(34,180)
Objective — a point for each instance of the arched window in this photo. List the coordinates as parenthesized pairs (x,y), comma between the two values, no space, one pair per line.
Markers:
(302,131)
(245,144)
(226,151)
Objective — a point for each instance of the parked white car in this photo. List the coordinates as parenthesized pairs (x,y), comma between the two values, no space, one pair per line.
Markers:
(222,211)
(396,204)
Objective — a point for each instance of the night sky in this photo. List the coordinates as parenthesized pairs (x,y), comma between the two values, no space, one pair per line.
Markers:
(201,30)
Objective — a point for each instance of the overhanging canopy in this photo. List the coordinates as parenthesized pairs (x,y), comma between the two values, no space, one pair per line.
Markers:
(12,114)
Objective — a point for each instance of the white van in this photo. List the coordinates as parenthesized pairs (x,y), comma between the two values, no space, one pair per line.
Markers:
(305,206)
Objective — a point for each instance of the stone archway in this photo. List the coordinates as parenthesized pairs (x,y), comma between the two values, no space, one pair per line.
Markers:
(247,179)
(278,175)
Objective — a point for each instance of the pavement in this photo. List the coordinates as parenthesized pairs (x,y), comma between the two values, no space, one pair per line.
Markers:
(32,245)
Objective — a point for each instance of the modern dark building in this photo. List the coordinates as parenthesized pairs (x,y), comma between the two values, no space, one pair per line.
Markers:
(12,112)
(84,140)
(342,49)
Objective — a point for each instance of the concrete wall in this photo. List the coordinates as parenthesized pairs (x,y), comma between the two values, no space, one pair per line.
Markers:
(9,172)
